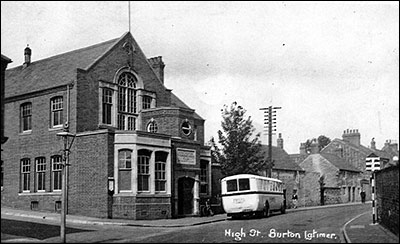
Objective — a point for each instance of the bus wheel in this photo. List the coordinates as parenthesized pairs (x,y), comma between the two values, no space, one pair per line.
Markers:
(283,209)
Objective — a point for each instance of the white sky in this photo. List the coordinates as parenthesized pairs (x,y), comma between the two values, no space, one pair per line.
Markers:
(331,66)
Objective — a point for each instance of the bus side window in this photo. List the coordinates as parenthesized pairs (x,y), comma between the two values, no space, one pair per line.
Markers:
(244,184)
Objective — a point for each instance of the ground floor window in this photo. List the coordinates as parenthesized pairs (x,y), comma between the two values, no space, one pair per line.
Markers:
(56,162)
(144,170)
(25,174)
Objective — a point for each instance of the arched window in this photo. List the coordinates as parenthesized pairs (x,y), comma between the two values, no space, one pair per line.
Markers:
(152,126)
(127,101)
(56,107)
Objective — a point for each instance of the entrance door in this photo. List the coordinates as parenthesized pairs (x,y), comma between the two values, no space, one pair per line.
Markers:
(185,196)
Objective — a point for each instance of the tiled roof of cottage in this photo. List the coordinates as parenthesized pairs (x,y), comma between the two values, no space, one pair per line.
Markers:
(282,159)
(61,70)
(338,162)
(365,150)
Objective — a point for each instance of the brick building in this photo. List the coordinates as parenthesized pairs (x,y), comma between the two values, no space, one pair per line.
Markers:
(138,151)
(4,63)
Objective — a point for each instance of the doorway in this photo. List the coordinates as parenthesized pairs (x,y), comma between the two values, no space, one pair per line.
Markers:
(185,196)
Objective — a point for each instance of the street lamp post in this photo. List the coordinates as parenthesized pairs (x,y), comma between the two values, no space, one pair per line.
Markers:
(64,195)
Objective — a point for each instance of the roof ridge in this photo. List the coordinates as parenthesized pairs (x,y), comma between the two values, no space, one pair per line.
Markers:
(68,52)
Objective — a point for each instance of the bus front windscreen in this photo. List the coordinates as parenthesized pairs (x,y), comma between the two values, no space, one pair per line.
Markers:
(231,185)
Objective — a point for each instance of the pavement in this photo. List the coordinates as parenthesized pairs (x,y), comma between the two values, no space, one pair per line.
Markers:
(358,230)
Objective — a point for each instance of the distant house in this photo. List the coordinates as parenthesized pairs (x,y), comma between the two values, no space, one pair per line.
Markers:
(346,157)
(329,179)
(286,170)
(350,149)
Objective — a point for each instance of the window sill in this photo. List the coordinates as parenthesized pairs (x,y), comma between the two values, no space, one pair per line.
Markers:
(56,128)
(57,193)
(28,132)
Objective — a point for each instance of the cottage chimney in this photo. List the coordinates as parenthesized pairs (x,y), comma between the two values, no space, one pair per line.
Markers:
(158,66)
(303,149)
(27,54)
(314,147)
(373,145)
(352,136)
(279,141)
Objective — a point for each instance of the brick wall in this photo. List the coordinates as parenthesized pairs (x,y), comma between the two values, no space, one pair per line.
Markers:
(387,197)
(142,207)
(91,160)
(42,141)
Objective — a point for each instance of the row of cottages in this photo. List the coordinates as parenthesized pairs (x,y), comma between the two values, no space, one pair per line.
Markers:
(286,170)
(337,173)
(138,150)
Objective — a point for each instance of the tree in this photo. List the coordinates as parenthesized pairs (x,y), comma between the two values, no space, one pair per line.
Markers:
(322,142)
(240,153)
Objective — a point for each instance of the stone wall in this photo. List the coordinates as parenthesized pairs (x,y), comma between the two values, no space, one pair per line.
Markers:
(387,198)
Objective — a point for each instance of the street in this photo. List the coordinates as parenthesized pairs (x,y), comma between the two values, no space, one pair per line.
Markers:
(317,225)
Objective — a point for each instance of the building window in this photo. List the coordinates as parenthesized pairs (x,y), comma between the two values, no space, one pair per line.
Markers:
(56,106)
(125,169)
(127,101)
(160,176)
(57,165)
(144,170)
(26,117)
(186,128)
(152,126)
(107,106)
(40,173)
(203,176)
(146,102)
(25,175)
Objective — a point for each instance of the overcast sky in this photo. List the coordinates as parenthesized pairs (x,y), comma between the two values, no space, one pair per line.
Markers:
(331,66)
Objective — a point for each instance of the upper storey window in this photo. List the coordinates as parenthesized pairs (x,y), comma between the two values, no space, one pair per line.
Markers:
(56,106)
(26,117)
(186,128)
(146,102)
(127,101)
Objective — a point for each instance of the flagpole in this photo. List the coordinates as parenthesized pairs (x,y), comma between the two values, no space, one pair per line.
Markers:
(129,7)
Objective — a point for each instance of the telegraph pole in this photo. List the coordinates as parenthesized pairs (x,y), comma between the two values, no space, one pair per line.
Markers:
(270,121)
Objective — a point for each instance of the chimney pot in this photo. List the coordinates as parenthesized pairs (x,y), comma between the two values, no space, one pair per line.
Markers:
(27,54)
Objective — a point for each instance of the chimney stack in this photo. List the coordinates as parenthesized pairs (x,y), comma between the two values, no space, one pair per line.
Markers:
(352,136)
(27,54)
(303,149)
(314,147)
(373,144)
(280,141)
(158,66)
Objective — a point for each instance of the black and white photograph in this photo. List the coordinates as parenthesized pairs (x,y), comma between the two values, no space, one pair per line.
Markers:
(200,121)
